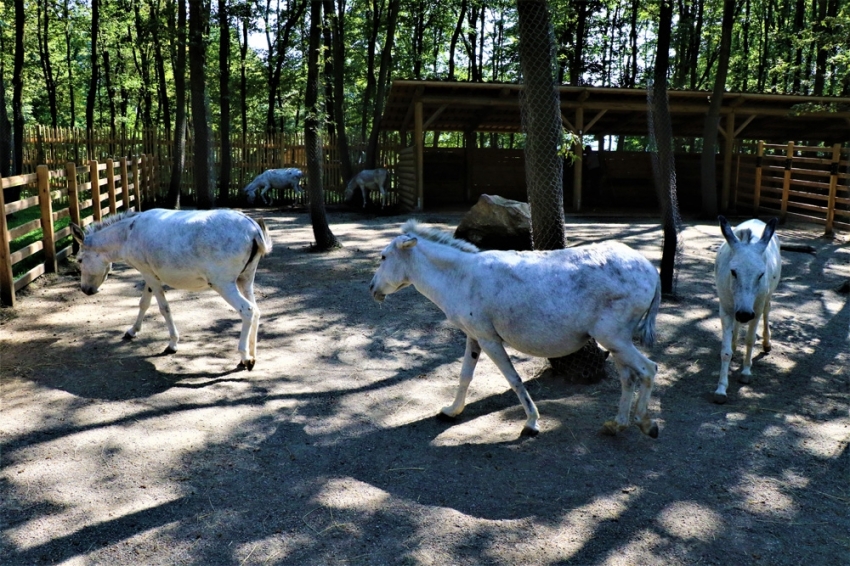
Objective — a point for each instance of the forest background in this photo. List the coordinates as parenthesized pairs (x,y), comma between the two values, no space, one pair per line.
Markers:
(122,65)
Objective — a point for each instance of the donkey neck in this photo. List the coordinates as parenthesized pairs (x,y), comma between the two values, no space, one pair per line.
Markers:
(437,269)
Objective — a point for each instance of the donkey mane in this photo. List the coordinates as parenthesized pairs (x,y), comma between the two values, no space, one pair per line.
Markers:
(109,220)
(745,235)
(437,235)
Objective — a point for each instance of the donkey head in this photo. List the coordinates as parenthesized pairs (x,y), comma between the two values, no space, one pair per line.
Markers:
(94,265)
(391,275)
(747,267)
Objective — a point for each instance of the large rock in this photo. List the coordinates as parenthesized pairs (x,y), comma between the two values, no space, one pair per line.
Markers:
(497,223)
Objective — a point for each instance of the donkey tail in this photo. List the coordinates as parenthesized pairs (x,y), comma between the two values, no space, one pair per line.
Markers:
(646,326)
(263,240)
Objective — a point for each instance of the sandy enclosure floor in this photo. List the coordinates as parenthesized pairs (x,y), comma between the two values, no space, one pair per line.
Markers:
(329,452)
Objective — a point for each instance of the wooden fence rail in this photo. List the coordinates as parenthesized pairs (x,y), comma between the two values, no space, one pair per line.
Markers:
(81,194)
(798,182)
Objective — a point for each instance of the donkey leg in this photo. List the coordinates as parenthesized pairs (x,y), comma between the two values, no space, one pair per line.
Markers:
(634,369)
(746,370)
(627,391)
(470,360)
(765,337)
(497,353)
(727,324)
(250,316)
(144,304)
(165,310)
(246,287)
(646,375)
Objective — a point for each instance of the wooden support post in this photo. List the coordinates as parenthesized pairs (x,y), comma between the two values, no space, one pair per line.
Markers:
(73,200)
(136,188)
(579,161)
(7,281)
(469,136)
(786,181)
(419,155)
(97,214)
(833,187)
(110,185)
(757,187)
(125,185)
(46,205)
(727,161)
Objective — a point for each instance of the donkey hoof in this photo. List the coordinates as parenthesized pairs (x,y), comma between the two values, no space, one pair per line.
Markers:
(169,350)
(443,417)
(720,398)
(767,348)
(528,431)
(127,336)
(653,430)
(248,364)
(610,428)
(745,378)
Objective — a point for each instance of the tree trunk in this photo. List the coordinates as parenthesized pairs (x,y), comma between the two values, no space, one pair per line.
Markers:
(5,125)
(92,93)
(204,195)
(224,100)
(110,94)
(383,79)
(541,118)
(664,166)
(577,63)
(42,35)
(799,20)
(337,25)
(17,100)
(455,36)
(159,61)
(325,240)
(826,9)
(712,118)
(243,78)
(370,68)
(71,89)
(179,151)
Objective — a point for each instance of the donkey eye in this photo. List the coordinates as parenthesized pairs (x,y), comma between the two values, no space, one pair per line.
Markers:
(383,257)
(760,276)
(734,274)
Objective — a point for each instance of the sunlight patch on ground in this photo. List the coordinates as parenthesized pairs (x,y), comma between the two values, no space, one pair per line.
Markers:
(824,439)
(766,497)
(689,520)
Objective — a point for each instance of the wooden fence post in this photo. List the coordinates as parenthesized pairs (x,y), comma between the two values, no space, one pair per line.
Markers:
(136,190)
(757,188)
(786,181)
(110,185)
(46,204)
(95,191)
(7,280)
(125,185)
(833,187)
(73,199)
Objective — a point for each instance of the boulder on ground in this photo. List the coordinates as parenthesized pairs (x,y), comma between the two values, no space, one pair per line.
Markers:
(497,223)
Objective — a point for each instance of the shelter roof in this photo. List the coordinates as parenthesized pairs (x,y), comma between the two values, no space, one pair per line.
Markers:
(450,106)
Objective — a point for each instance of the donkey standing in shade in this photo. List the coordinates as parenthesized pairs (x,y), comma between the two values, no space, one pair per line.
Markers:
(192,250)
(273,179)
(365,180)
(546,304)
(746,271)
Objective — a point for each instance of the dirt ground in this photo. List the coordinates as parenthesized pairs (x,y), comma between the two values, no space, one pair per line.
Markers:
(329,451)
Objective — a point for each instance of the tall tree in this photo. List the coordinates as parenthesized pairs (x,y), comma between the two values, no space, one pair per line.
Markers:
(381,87)
(224,100)
(336,25)
(325,239)
(43,39)
(179,149)
(91,97)
(664,168)
(68,59)
(279,45)
(18,97)
(5,125)
(712,118)
(201,146)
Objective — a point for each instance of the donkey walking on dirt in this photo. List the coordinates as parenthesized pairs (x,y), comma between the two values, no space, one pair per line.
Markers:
(192,250)
(546,304)
(365,180)
(273,179)
(746,272)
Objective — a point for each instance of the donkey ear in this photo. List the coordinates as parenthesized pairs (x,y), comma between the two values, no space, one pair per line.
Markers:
(407,243)
(78,233)
(769,230)
(730,236)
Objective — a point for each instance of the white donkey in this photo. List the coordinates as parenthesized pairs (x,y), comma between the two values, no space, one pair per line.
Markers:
(273,179)
(746,271)
(545,304)
(366,180)
(192,250)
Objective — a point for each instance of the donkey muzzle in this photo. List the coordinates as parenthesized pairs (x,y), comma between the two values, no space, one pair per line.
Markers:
(744,316)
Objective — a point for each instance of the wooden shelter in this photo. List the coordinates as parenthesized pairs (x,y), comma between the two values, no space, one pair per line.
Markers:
(426,174)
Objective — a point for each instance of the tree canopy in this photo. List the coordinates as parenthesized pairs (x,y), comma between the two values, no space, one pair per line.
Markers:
(781,46)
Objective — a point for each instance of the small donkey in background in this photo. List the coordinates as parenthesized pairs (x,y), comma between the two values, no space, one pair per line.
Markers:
(746,271)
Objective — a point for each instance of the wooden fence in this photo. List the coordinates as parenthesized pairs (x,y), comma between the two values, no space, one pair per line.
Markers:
(82,194)
(798,182)
(250,156)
